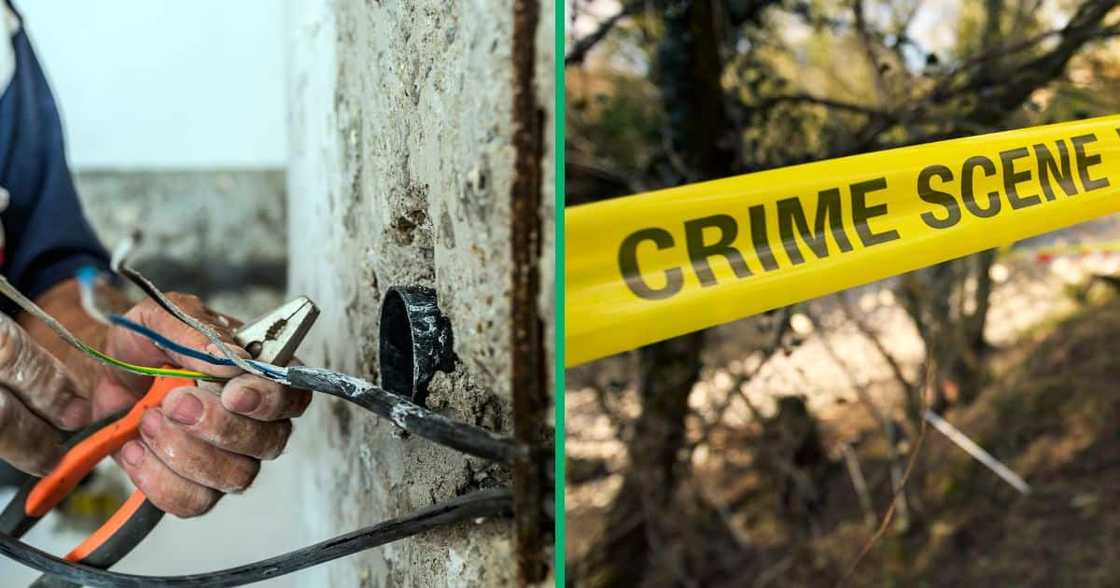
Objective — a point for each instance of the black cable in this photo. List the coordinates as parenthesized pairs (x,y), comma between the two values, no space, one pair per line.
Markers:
(407,415)
(483,503)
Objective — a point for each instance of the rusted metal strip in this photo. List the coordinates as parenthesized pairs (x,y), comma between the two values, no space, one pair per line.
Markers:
(531,482)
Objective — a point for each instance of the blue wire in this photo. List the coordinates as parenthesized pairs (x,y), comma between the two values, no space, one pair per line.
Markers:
(166,343)
(87,274)
(170,345)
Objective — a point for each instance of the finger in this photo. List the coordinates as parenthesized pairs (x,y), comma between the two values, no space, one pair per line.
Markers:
(39,379)
(26,441)
(167,490)
(195,459)
(111,396)
(203,416)
(263,400)
(135,348)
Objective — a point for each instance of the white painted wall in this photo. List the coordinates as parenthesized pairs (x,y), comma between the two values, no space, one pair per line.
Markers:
(164,83)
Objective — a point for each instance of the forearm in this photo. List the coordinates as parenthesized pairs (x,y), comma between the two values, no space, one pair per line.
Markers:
(63,302)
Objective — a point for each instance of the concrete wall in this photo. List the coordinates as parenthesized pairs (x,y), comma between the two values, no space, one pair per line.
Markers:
(401,172)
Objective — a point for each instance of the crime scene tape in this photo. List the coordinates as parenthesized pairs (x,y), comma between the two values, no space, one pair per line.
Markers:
(647,267)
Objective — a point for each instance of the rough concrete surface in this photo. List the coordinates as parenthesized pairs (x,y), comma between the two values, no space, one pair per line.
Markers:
(400,173)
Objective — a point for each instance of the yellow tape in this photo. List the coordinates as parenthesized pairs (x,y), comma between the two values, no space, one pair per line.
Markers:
(648,267)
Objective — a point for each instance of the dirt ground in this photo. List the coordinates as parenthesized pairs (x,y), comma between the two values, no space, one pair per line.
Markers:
(1048,413)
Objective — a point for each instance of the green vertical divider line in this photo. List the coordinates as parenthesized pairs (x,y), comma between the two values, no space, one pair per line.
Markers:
(558,330)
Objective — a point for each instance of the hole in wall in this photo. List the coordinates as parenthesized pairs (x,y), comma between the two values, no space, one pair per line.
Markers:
(415,341)
(395,353)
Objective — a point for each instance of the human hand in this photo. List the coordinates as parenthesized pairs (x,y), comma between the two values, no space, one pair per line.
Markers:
(197,446)
(38,400)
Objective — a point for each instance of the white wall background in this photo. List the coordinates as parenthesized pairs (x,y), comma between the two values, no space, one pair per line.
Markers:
(164,84)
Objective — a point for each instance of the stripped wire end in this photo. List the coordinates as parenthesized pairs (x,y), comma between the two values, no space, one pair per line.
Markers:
(88,279)
(121,267)
(124,249)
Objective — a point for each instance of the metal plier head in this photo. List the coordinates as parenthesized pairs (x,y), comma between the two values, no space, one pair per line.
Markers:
(274,337)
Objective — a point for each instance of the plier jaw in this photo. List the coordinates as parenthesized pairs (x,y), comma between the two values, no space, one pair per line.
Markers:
(274,337)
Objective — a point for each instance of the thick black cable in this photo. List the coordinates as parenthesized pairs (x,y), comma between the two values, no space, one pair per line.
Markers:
(407,415)
(480,504)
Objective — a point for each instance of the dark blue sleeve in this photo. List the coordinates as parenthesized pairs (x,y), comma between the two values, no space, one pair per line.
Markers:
(46,235)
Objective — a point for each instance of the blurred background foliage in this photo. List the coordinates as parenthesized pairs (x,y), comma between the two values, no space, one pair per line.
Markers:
(765,491)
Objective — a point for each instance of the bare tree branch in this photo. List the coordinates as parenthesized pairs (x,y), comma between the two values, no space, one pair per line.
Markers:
(868,44)
(806,98)
(584,46)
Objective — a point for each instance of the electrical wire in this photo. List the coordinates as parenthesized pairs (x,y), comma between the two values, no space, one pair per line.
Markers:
(411,417)
(479,504)
(87,293)
(119,266)
(87,278)
(406,415)
(7,289)
(274,372)
(124,248)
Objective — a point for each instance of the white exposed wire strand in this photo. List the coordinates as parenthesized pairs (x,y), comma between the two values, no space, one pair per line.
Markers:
(87,280)
(119,265)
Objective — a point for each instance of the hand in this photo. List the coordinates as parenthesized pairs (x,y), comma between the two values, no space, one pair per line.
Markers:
(196,446)
(37,398)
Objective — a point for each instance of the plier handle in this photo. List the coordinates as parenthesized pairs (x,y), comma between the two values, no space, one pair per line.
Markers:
(272,339)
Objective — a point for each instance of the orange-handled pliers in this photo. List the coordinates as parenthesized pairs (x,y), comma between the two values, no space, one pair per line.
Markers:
(271,339)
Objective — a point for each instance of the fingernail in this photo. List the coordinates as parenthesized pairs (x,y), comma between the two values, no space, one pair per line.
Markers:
(132,453)
(75,413)
(151,422)
(244,400)
(187,409)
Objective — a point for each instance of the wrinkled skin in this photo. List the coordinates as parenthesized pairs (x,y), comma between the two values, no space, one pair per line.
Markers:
(200,444)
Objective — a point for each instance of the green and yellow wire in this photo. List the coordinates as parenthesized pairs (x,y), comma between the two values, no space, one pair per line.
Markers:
(7,289)
(144,370)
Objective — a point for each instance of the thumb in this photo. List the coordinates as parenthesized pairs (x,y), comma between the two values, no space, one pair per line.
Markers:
(27,442)
(39,380)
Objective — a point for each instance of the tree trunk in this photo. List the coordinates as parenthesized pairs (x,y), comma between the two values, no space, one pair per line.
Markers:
(690,66)
(635,527)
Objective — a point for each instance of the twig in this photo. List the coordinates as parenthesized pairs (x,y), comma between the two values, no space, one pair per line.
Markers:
(956,436)
(898,491)
(908,388)
(890,431)
(889,515)
(869,50)
(806,98)
(855,472)
(745,377)
(861,392)
(583,46)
